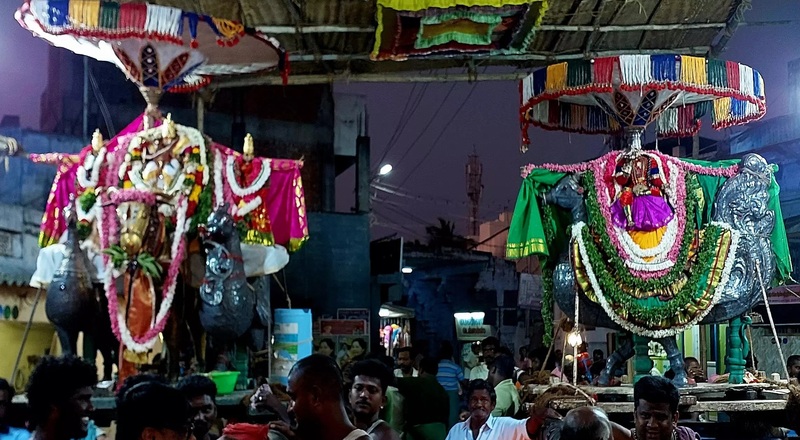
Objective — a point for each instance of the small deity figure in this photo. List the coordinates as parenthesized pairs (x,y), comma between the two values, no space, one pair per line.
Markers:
(640,203)
(248,177)
(161,157)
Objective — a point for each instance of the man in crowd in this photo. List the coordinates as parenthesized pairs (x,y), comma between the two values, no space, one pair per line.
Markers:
(60,397)
(368,396)
(8,432)
(425,402)
(450,376)
(482,425)
(489,347)
(507,400)
(655,412)
(201,392)
(793,365)
(152,410)
(316,388)
(406,363)
(586,423)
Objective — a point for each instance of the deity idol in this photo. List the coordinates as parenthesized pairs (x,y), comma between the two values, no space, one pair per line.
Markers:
(640,204)
(248,178)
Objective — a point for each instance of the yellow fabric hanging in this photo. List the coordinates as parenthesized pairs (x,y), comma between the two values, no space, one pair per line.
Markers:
(556,77)
(693,70)
(85,13)
(722,109)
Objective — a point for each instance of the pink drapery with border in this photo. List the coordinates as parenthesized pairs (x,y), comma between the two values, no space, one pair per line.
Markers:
(64,183)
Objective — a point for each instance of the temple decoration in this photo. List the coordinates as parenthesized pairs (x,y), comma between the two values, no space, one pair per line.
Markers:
(606,95)
(157,47)
(637,240)
(415,28)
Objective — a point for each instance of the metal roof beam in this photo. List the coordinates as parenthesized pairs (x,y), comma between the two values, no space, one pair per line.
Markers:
(696,50)
(314,29)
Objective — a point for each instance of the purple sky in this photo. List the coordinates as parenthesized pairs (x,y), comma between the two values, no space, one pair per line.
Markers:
(487,122)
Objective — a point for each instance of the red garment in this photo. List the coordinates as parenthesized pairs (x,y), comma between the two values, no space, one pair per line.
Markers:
(246,431)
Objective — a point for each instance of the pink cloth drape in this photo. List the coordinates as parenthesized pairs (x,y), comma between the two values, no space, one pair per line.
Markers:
(64,184)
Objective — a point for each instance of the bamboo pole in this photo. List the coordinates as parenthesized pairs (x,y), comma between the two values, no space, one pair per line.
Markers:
(25,334)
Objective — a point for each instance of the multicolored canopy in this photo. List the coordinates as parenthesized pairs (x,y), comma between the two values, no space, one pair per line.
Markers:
(606,95)
(150,43)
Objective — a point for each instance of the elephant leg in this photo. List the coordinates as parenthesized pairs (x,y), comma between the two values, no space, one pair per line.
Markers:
(675,358)
(736,349)
(619,357)
(68,340)
(642,364)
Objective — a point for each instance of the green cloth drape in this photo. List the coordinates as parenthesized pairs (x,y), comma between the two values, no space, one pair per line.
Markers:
(526,235)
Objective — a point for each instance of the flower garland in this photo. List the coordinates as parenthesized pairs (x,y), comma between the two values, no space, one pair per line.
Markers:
(178,250)
(646,312)
(664,255)
(601,199)
(94,163)
(262,169)
(615,260)
(706,171)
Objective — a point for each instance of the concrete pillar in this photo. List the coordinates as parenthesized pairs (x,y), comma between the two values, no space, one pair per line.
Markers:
(363,178)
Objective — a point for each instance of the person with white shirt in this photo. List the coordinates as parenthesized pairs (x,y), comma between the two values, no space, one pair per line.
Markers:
(406,364)
(482,425)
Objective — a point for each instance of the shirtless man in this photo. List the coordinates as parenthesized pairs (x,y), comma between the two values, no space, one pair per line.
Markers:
(316,388)
(368,396)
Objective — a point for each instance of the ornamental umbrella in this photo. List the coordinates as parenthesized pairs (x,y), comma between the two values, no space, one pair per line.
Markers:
(626,93)
(160,48)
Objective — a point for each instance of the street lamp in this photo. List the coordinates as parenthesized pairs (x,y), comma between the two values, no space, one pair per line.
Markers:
(385,169)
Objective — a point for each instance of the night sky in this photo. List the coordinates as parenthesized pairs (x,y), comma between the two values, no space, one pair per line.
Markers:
(429,165)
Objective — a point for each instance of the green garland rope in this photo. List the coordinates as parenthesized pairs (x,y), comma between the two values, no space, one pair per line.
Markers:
(653,311)
(547,275)
(650,310)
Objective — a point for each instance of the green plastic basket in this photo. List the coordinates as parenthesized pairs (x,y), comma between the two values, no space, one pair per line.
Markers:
(224,380)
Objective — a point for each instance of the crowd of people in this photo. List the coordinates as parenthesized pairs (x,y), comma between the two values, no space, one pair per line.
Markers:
(379,398)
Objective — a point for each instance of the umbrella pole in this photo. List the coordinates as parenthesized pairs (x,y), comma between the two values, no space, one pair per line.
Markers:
(25,335)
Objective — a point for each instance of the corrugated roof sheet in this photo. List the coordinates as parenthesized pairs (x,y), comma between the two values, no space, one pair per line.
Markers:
(15,276)
(630,23)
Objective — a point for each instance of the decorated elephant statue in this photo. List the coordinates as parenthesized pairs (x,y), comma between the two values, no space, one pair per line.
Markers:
(652,245)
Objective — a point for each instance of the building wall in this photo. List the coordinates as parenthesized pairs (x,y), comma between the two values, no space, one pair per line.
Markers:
(331,270)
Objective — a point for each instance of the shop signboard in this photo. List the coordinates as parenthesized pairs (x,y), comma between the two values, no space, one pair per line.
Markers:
(530,291)
(470,327)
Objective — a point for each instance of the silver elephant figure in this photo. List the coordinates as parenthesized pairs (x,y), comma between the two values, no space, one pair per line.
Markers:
(227,301)
(742,202)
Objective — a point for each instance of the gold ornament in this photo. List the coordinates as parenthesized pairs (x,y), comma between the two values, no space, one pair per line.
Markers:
(248,149)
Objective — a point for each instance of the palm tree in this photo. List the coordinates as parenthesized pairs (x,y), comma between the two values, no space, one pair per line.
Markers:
(444,235)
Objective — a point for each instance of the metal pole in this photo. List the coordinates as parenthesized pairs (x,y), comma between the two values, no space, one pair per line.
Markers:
(85,97)
(201,112)
(25,335)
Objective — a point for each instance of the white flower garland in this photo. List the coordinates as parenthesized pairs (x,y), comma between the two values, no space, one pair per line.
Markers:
(660,253)
(95,165)
(166,304)
(219,197)
(247,208)
(577,234)
(261,180)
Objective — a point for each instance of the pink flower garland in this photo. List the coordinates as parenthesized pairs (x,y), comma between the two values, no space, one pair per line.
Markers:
(706,171)
(110,229)
(133,195)
(605,206)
